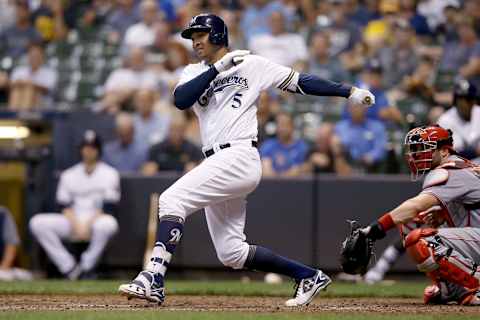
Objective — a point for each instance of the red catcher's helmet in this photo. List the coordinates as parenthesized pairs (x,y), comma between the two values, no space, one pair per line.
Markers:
(420,143)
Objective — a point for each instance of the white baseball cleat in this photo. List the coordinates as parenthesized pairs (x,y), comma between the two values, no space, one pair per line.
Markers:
(308,288)
(147,286)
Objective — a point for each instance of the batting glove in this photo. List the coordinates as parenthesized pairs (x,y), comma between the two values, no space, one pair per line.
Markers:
(230,59)
(361,96)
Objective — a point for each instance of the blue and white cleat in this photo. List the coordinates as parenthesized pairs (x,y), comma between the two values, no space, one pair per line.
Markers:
(147,286)
(308,288)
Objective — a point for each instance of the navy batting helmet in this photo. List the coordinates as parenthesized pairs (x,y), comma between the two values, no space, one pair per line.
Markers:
(464,89)
(207,22)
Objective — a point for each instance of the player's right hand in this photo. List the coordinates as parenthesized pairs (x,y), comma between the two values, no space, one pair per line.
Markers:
(361,96)
(230,59)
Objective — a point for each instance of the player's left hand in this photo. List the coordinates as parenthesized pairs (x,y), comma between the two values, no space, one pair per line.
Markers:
(230,59)
(361,96)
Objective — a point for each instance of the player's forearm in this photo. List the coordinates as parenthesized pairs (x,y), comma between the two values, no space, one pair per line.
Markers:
(187,93)
(313,85)
(404,213)
(407,211)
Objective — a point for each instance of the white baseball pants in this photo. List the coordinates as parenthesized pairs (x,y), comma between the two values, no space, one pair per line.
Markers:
(220,184)
(51,228)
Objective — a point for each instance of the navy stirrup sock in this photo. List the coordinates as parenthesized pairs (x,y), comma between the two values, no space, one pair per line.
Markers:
(169,233)
(263,259)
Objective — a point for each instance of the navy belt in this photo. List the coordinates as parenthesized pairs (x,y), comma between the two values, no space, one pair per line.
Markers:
(211,152)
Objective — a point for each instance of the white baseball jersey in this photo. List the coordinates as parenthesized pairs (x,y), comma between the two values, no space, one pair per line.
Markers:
(465,133)
(86,193)
(227,110)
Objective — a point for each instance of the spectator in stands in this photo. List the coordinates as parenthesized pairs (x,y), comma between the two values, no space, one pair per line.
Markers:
(464,119)
(236,39)
(285,154)
(7,14)
(470,70)
(166,57)
(344,34)
(362,14)
(433,10)
(320,158)
(142,34)
(157,51)
(321,63)
(448,29)
(87,196)
(415,94)
(399,58)
(288,49)
(122,84)
(462,55)
(123,17)
(15,39)
(378,32)
(472,10)
(255,17)
(49,21)
(359,143)
(176,153)
(125,153)
(421,82)
(371,79)
(32,85)
(267,108)
(150,126)
(418,22)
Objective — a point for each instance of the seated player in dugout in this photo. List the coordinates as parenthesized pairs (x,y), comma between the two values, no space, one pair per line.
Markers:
(87,197)
(447,247)
(223,90)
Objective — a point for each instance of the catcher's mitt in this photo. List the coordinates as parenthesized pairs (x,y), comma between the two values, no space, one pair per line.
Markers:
(356,250)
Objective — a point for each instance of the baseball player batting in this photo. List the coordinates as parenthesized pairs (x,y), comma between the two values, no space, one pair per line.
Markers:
(222,90)
(447,246)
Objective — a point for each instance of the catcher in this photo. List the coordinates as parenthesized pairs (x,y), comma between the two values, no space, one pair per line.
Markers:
(447,246)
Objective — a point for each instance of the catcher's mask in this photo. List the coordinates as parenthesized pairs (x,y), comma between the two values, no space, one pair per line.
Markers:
(421,143)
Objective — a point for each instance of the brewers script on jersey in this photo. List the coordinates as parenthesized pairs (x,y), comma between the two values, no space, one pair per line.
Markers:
(227,110)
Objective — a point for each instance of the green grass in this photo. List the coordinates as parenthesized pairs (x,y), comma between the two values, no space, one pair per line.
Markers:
(172,315)
(228,288)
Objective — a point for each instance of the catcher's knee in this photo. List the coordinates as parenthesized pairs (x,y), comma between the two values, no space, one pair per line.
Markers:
(439,261)
(419,250)
(235,256)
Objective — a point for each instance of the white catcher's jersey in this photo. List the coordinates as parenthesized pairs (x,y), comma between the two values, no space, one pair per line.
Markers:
(86,193)
(227,110)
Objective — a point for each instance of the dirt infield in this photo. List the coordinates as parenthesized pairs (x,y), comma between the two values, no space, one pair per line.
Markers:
(222,303)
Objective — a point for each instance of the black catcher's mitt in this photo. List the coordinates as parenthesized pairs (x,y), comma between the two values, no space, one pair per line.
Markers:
(356,250)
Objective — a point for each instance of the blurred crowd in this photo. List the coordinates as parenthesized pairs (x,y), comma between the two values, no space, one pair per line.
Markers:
(123,57)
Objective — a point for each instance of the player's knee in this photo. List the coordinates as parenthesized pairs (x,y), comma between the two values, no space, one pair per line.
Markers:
(420,251)
(168,204)
(38,224)
(106,224)
(234,257)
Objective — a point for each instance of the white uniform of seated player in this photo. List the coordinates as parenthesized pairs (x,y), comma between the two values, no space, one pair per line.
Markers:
(87,194)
